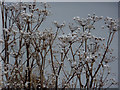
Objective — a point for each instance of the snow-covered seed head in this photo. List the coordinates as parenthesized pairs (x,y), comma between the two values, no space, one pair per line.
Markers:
(78,28)
(6,30)
(94,13)
(101,17)
(102,27)
(78,18)
(109,72)
(74,18)
(111,24)
(1,41)
(106,66)
(88,15)
(26,84)
(55,22)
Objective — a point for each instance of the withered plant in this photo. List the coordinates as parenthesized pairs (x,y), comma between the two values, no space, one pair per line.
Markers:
(51,58)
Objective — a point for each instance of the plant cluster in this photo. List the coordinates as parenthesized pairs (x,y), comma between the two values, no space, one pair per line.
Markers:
(49,58)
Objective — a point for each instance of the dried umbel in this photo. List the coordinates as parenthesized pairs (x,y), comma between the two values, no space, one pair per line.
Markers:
(111,24)
(59,25)
(47,58)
